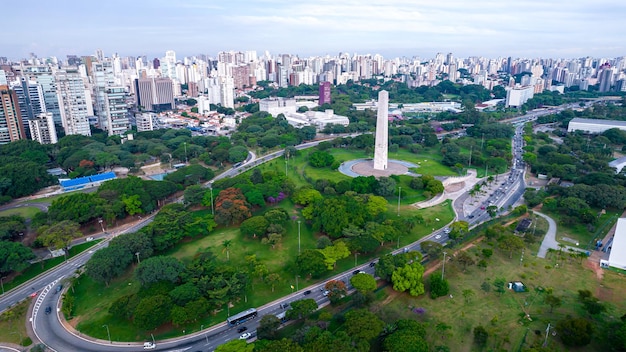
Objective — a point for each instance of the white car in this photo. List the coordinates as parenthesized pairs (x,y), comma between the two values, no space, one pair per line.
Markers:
(245,336)
(437,237)
(325,293)
(149,345)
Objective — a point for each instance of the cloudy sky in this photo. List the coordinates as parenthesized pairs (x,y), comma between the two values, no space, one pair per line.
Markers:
(492,28)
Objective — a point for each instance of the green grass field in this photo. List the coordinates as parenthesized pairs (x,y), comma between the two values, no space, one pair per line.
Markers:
(570,234)
(12,323)
(25,212)
(504,314)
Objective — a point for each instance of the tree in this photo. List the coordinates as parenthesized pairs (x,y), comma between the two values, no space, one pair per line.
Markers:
(254,226)
(480,336)
(231,207)
(301,309)
(363,283)
(268,327)
(336,290)
(386,187)
(438,286)
(152,312)
(132,204)
(311,262)
(321,159)
(283,345)
(235,346)
(409,277)
(108,263)
(185,293)
(14,257)
(237,154)
(553,301)
(468,294)
(134,242)
(272,279)
(458,229)
(363,324)
(159,268)
(194,194)
(226,244)
(59,235)
(464,260)
(333,253)
(433,249)
(510,243)
(408,337)
(575,331)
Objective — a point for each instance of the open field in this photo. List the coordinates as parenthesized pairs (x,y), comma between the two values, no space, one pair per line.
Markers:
(25,212)
(504,314)
(13,323)
(579,233)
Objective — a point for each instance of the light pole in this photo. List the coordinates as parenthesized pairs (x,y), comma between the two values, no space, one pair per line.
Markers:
(355,256)
(205,334)
(185,144)
(298,236)
(100,221)
(545,341)
(399,194)
(443,268)
(2,283)
(137,254)
(211,189)
(109,333)
(297,289)
(153,342)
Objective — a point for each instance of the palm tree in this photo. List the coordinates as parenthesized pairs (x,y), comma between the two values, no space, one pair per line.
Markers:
(226,244)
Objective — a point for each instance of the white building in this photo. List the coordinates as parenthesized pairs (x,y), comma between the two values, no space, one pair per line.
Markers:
(116,111)
(276,106)
(617,257)
(318,119)
(594,125)
(72,102)
(145,121)
(518,95)
(42,128)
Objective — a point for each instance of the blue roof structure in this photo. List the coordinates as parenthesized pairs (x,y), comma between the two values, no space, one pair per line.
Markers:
(81,182)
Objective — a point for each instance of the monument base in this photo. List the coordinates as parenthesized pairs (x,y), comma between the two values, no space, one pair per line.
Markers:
(366,168)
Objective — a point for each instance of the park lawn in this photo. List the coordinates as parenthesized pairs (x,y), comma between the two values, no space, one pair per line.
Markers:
(502,314)
(25,212)
(580,233)
(13,323)
(37,268)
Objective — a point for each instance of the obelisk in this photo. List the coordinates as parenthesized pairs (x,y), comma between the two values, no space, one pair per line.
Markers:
(382,132)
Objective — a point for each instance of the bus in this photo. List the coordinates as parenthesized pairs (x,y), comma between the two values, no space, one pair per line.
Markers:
(242,317)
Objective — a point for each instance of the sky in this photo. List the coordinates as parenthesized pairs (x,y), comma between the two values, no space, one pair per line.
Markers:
(392,28)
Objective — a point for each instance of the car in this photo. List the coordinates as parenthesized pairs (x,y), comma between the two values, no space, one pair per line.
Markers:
(471,216)
(325,293)
(372,264)
(307,292)
(245,336)
(356,272)
(446,230)
(437,237)
(59,288)
(149,345)
(48,310)
(482,207)
(242,329)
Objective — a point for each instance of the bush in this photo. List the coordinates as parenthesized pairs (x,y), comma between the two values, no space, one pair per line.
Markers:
(438,287)
(26,341)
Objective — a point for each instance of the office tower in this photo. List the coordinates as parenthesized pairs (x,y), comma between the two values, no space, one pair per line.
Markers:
(324,93)
(73,104)
(156,63)
(11,126)
(31,101)
(605,78)
(382,134)
(102,78)
(192,89)
(154,94)
(42,129)
(227,92)
(116,111)
(168,65)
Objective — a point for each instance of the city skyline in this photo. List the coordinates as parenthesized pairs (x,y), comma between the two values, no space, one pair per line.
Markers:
(530,28)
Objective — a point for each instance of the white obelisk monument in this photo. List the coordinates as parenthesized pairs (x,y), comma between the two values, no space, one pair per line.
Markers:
(382,132)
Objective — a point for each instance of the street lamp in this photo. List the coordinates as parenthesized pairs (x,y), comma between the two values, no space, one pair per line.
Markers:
(443,268)
(205,334)
(2,283)
(108,332)
(399,194)
(137,254)
(355,256)
(298,236)
(185,144)
(100,221)
(297,289)
(211,189)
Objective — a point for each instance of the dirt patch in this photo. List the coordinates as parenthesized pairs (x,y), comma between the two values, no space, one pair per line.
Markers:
(604,294)
(455,187)
(74,322)
(594,265)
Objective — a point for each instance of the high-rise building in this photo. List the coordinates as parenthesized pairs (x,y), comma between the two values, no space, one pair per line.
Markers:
(11,125)
(116,111)
(324,93)
(43,75)
(227,92)
(42,129)
(605,79)
(102,78)
(168,65)
(145,121)
(73,104)
(154,94)
(31,101)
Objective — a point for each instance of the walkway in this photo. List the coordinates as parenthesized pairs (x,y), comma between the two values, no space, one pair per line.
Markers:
(549,241)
